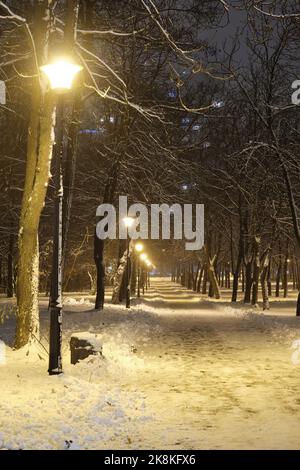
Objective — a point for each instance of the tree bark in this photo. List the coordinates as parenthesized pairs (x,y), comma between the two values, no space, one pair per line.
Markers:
(119,276)
(236,273)
(196,277)
(10,266)
(204,283)
(99,245)
(248,282)
(27,328)
(263,279)
(256,270)
(39,153)
(285,273)
(200,279)
(211,274)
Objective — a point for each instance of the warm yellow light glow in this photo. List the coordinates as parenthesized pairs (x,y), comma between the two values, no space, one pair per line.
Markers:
(148,263)
(139,246)
(61,74)
(128,221)
(143,256)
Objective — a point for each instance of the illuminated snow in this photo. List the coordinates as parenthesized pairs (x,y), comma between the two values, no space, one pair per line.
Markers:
(177,372)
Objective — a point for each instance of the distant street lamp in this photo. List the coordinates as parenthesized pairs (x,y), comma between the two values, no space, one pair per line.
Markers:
(60,74)
(128,221)
(139,247)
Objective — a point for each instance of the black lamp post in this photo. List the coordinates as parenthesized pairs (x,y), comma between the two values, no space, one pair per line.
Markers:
(138,247)
(55,338)
(143,258)
(60,75)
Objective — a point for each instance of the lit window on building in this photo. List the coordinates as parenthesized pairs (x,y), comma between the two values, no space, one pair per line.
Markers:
(172,93)
(218,104)
(185,121)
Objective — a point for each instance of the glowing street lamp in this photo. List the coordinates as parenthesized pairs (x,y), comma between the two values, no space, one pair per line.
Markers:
(60,74)
(143,256)
(128,222)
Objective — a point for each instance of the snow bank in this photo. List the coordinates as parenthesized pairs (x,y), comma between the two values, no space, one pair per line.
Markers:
(271,324)
(73,302)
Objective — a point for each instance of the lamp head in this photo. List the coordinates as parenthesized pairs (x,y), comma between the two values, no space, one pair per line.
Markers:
(139,247)
(143,256)
(61,73)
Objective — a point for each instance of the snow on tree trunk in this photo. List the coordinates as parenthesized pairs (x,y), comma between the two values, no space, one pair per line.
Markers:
(211,274)
(39,154)
(121,271)
(264,280)
(285,273)
(256,270)
(28,261)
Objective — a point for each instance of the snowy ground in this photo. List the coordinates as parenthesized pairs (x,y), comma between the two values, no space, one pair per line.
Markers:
(178,372)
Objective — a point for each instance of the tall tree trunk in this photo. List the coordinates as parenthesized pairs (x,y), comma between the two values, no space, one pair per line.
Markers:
(10,266)
(222,276)
(123,287)
(293,264)
(1,272)
(236,273)
(269,280)
(28,261)
(256,270)
(200,279)
(204,283)
(211,273)
(100,270)
(285,273)
(178,273)
(248,282)
(121,274)
(99,245)
(278,277)
(196,277)
(263,279)
(39,153)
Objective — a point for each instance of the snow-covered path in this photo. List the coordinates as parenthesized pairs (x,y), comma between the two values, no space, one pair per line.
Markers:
(179,372)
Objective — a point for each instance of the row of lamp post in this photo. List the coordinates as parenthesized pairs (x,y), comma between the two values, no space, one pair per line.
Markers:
(141,258)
